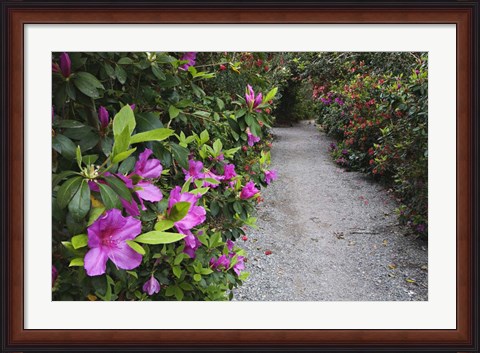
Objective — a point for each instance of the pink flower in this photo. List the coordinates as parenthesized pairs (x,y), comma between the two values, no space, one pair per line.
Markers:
(249,191)
(107,238)
(65,65)
(194,170)
(252,139)
(54,275)
(222,263)
(190,57)
(211,175)
(229,172)
(270,175)
(103,117)
(148,168)
(195,216)
(252,100)
(151,286)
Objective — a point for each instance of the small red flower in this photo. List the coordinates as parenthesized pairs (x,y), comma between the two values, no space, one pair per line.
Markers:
(268,252)
(223,67)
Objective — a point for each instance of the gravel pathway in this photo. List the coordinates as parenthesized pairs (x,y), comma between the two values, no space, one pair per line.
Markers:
(333,235)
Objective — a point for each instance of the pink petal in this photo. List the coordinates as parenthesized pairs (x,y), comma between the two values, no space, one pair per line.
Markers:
(148,192)
(124,257)
(95,261)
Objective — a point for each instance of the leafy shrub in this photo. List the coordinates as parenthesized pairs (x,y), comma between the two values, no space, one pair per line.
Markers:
(156,169)
(380,119)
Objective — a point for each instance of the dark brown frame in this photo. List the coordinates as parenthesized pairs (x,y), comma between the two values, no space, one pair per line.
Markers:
(463,14)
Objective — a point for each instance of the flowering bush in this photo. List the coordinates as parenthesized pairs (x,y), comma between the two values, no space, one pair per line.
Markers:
(156,170)
(380,120)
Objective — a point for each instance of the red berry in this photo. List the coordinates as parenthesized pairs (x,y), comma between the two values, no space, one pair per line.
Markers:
(244,238)
(268,252)
(244,148)
(223,67)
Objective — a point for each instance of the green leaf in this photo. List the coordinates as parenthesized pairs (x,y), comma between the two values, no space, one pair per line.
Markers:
(79,241)
(206,271)
(173,112)
(87,84)
(178,293)
(78,261)
(156,237)
(69,124)
(158,72)
(94,214)
(177,271)
(170,81)
(119,187)
(64,146)
(70,90)
(270,95)
(90,159)
(179,211)
(217,147)
(201,191)
(237,207)
(123,155)
(147,121)
(78,153)
(125,61)
(197,277)
(135,246)
(67,190)
(122,119)
(180,154)
(121,74)
(122,142)
(204,137)
(153,135)
(80,203)
(220,104)
(201,113)
(132,273)
(164,225)
(127,165)
(109,197)
(178,259)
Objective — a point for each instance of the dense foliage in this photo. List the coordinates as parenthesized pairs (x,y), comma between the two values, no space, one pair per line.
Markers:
(375,105)
(158,160)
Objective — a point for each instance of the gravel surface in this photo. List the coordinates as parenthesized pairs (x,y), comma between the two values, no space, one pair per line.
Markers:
(333,235)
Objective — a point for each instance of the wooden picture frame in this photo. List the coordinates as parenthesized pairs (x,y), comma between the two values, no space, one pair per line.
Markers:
(15,15)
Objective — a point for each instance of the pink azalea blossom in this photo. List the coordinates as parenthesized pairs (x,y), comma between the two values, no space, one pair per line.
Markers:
(148,168)
(195,216)
(54,275)
(252,100)
(190,57)
(194,170)
(103,117)
(249,191)
(151,286)
(229,172)
(252,139)
(107,238)
(239,265)
(270,175)
(222,263)
(65,65)
(212,175)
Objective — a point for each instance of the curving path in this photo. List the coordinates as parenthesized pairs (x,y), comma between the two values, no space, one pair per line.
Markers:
(333,235)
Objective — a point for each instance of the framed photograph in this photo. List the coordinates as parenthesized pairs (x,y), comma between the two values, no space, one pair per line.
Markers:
(48,305)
